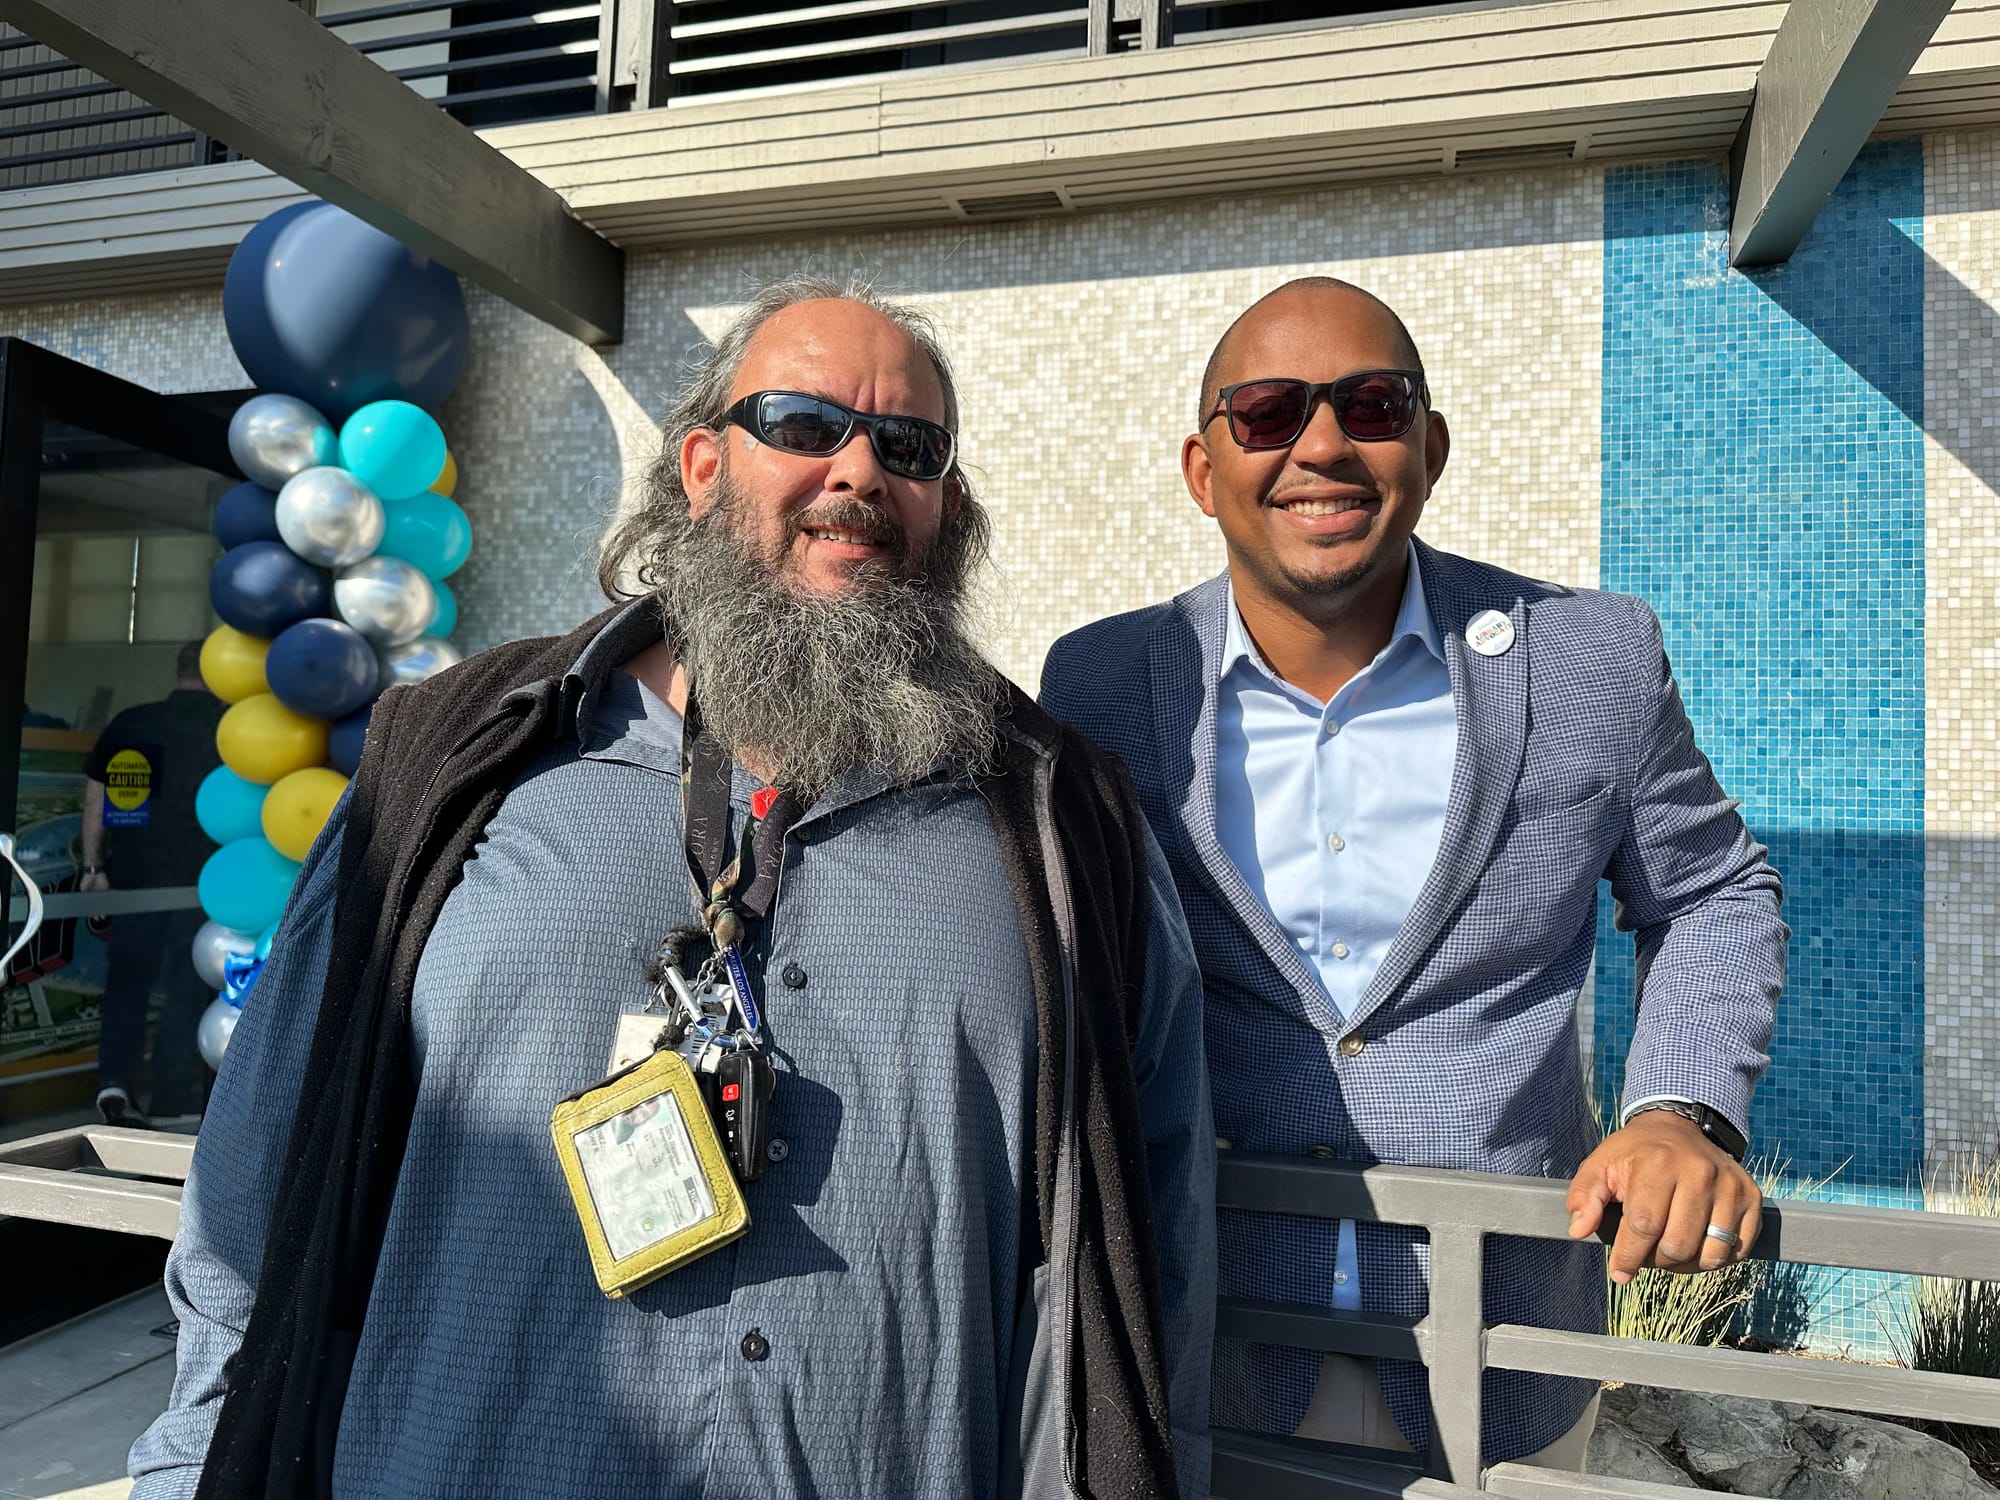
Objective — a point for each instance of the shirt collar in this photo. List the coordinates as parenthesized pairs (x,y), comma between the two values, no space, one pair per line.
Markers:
(630,631)
(1413,618)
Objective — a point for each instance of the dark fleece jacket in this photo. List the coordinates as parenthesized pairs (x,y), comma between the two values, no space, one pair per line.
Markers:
(439,760)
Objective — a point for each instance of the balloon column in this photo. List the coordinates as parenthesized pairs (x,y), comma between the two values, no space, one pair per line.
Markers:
(331,582)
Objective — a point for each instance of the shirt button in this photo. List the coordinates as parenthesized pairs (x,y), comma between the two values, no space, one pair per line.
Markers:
(1340,950)
(1332,728)
(1335,842)
(794,977)
(1340,1278)
(1351,1044)
(755,1346)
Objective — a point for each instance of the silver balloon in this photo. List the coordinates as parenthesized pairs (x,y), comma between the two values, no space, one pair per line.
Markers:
(329,517)
(386,599)
(274,437)
(218,1024)
(212,944)
(417,660)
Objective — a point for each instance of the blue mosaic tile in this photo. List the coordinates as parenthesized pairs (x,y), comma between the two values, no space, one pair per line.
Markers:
(1763,489)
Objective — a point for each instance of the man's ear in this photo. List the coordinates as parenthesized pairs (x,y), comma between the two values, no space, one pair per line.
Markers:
(1198,473)
(1437,446)
(701,467)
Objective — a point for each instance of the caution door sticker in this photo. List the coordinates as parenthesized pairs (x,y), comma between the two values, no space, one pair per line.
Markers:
(128,790)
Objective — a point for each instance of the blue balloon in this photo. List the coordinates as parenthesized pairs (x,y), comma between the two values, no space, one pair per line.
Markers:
(447,615)
(244,313)
(394,448)
(322,668)
(248,513)
(324,307)
(261,587)
(343,741)
(228,807)
(429,532)
(245,883)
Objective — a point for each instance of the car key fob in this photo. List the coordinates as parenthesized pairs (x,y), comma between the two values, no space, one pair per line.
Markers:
(744,1081)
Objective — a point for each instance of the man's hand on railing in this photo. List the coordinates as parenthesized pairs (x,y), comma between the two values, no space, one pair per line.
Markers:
(1673,1185)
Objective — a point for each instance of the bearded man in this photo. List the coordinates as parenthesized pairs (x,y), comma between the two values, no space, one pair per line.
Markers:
(948,1067)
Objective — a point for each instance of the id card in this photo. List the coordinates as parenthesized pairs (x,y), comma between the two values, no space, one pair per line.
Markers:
(647,1173)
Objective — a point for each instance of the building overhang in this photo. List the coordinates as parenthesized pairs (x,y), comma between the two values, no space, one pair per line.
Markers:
(1475,89)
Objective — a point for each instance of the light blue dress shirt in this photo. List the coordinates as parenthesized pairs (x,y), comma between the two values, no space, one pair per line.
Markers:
(1333,811)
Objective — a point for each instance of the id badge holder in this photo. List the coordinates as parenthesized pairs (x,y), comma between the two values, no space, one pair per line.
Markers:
(647,1173)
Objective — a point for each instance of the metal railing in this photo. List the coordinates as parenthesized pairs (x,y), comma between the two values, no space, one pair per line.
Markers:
(1460,1210)
(495,62)
(485,62)
(129,1180)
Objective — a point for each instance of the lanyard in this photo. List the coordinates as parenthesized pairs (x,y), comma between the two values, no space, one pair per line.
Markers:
(727,912)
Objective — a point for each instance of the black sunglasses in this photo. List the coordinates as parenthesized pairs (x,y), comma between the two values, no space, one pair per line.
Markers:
(815,426)
(1371,406)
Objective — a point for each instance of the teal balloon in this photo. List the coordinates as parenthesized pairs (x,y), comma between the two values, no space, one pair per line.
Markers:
(264,940)
(429,532)
(245,883)
(230,808)
(447,615)
(394,448)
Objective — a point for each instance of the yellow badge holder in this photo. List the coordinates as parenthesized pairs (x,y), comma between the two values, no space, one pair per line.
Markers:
(647,1173)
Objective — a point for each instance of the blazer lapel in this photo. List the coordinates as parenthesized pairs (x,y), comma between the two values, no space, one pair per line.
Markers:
(1186,657)
(1490,701)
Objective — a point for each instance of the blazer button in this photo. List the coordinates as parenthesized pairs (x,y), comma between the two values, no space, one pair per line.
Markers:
(1351,1044)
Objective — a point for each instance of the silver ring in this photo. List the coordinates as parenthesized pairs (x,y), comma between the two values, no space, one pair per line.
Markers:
(1728,1237)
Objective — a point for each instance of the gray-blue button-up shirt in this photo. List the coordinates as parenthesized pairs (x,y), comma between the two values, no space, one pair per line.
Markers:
(865,1337)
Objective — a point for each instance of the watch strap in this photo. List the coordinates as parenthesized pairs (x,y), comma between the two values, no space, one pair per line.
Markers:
(1712,1123)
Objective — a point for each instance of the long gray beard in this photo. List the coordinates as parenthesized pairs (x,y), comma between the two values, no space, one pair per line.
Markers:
(807,686)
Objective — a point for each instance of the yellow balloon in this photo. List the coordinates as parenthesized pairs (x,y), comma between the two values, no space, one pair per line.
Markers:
(263,741)
(297,807)
(447,481)
(232,664)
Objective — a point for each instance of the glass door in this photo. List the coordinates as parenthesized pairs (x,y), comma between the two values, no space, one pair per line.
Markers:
(106,492)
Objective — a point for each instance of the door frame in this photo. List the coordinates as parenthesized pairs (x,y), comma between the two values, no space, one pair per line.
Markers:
(36,384)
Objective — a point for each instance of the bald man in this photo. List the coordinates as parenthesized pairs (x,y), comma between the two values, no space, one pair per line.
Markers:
(1388,780)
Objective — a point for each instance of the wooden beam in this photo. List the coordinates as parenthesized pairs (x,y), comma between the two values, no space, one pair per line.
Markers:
(274,84)
(1833,68)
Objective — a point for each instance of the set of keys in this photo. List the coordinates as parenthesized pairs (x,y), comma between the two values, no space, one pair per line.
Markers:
(713,1024)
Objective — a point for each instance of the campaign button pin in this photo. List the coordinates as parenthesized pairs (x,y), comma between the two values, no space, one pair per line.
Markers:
(1490,633)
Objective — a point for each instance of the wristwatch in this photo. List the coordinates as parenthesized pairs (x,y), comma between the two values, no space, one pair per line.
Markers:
(1711,1122)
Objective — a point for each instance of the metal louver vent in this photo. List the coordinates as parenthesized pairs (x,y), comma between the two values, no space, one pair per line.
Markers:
(1524,155)
(1012,205)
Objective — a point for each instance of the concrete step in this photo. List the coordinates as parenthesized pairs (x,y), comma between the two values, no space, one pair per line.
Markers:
(74,1397)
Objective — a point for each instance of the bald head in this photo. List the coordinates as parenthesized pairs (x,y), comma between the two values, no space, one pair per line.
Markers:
(1308,296)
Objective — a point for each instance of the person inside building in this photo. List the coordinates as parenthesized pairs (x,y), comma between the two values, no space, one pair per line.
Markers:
(948,1067)
(139,830)
(1388,780)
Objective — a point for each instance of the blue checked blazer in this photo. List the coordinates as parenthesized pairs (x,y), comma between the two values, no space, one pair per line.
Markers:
(1575,761)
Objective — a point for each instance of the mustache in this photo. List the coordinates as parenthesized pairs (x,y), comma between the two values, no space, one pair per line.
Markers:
(849,513)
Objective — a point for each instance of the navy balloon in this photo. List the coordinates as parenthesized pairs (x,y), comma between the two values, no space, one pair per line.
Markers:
(244,314)
(322,669)
(248,513)
(324,307)
(261,587)
(343,741)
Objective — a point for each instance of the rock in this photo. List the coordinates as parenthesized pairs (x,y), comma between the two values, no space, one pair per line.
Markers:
(1772,1449)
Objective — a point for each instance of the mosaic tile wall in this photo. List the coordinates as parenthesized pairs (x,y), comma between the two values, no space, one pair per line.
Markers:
(1961,250)
(1764,490)
(1795,573)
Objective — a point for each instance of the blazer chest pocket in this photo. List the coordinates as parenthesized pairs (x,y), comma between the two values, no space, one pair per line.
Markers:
(1565,846)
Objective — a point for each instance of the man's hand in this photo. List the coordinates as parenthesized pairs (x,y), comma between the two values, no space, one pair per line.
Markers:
(1673,1182)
